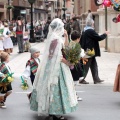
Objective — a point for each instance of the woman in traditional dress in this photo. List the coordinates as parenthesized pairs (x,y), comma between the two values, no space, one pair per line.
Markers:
(1,37)
(53,90)
(7,42)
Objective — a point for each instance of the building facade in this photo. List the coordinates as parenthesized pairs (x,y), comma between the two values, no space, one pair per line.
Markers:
(81,10)
(3,10)
(43,9)
(113,42)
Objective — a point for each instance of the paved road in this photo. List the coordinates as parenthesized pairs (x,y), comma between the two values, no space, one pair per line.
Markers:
(99,101)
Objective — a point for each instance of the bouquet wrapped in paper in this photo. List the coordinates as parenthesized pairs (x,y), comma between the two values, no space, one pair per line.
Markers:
(72,53)
(6,80)
(24,85)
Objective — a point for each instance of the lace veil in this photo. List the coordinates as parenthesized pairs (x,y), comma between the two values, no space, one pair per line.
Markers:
(48,70)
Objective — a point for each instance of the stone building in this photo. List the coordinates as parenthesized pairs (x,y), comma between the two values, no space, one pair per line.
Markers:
(3,10)
(81,9)
(42,9)
(113,42)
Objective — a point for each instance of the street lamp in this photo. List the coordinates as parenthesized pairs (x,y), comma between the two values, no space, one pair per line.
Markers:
(9,10)
(46,5)
(106,27)
(32,39)
(64,9)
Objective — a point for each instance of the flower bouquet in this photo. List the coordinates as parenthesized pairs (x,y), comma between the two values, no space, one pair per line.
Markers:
(72,54)
(6,80)
(24,85)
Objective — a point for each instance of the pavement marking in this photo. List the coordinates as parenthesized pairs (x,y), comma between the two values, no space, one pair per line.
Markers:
(22,92)
(80,91)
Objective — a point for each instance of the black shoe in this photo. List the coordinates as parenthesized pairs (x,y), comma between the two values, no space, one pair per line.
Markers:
(98,81)
(2,105)
(58,118)
(83,82)
(19,52)
(29,96)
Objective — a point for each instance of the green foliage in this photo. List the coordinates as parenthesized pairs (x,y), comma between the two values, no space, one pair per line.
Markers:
(73,53)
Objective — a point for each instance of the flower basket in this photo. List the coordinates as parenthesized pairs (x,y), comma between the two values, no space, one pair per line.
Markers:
(6,80)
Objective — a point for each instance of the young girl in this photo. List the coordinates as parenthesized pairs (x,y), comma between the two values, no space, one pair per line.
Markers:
(31,66)
(26,41)
(4,68)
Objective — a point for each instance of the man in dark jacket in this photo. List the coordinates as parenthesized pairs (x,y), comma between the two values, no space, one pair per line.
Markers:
(90,40)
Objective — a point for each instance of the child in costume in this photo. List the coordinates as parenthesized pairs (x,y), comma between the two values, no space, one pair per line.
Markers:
(4,69)
(1,95)
(77,71)
(31,66)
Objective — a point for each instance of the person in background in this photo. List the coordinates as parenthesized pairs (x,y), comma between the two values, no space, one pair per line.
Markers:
(26,42)
(19,34)
(89,16)
(75,25)
(13,33)
(1,37)
(31,66)
(90,40)
(68,28)
(7,42)
(77,70)
(46,28)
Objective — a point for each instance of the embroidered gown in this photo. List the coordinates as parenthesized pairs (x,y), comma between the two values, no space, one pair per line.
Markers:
(62,93)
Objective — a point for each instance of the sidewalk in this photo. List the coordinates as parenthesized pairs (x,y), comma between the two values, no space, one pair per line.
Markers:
(107,63)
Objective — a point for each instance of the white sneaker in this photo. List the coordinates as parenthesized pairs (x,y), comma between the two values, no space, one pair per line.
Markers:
(79,99)
(2,105)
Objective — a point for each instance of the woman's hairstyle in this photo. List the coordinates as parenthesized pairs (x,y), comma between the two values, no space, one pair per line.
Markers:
(5,24)
(74,18)
(4,56)
(75,35)
(89,11)
(19,18)
(89,22)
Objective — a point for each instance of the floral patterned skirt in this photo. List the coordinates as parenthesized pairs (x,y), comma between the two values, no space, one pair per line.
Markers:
(60,103)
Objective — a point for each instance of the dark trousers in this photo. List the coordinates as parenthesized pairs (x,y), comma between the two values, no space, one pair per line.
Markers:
(20,42)
(92,64)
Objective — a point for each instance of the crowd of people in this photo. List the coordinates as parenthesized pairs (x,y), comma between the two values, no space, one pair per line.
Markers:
(17,32)
(53,79)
